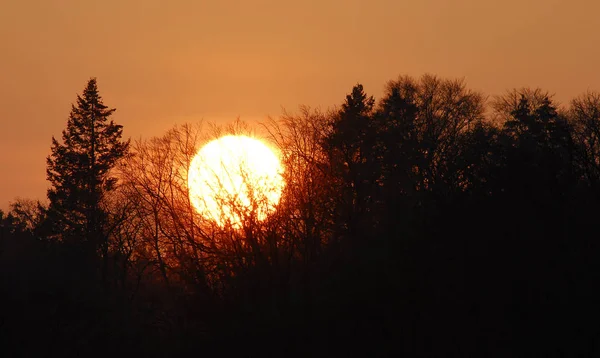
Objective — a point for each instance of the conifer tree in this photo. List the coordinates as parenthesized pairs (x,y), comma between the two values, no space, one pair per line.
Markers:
(79,171)
(350,146)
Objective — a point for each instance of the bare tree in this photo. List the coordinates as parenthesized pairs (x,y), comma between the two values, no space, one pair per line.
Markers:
(584,115)
(445,111)
(310,198)
(27,214)
(182,246)
(307,199)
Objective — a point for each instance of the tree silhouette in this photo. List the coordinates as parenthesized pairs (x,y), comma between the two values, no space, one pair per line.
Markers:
(79,171)
(350,145)
(542,150)
(584,115)
(28,216)
(426,223)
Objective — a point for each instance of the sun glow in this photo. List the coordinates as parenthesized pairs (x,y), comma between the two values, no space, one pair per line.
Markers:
(234,178)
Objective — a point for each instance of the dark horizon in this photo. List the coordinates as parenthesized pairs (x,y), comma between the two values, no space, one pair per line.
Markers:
(408,225)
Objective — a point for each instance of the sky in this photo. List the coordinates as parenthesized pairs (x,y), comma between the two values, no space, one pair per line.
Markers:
(162,63)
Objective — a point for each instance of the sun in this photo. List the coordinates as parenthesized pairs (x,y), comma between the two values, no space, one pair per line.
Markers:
(234,178)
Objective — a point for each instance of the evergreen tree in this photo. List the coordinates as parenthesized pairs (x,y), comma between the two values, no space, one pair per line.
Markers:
(79,171)
(350,146)
(397,154)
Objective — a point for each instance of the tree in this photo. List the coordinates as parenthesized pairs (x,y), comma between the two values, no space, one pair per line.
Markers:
(27,215)
(503,105)
(306,195)
(584,115)
(79,171)
(537,133)
(350,144)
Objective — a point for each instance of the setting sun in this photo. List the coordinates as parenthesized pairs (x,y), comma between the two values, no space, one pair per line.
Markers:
(234,177)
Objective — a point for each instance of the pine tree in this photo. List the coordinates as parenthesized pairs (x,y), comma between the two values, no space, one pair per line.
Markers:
(79,171)
(350,147)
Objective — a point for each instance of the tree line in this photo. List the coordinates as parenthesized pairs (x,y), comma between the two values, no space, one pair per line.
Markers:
(430,222)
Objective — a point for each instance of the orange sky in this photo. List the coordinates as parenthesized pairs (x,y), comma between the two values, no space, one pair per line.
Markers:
(166,62)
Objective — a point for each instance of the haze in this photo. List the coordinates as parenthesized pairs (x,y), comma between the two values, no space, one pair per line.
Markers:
(166,62)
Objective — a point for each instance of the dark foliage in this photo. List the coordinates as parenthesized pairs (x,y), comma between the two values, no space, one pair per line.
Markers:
(418,227)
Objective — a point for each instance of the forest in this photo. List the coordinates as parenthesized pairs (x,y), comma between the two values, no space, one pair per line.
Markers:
(435,221)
